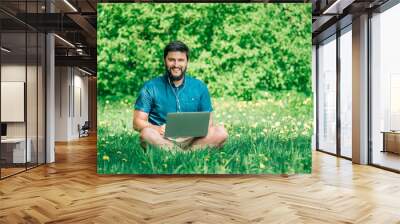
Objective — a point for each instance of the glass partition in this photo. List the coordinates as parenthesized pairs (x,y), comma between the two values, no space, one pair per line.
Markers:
(327,95)
(13,94)
(22,64)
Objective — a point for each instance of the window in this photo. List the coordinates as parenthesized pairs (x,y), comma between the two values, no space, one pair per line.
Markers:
(327,95)
(385,88)
(346,92)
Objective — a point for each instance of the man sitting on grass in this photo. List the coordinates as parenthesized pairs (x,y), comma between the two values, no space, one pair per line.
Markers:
(174,92)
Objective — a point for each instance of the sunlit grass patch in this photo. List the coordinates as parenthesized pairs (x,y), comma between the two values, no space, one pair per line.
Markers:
(270,135)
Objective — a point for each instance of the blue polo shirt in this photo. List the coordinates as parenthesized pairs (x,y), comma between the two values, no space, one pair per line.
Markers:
(158,97)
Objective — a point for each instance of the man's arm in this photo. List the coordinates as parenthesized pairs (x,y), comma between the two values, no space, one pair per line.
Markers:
(140,121)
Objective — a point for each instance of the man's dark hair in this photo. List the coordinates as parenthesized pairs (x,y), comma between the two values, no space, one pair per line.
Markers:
(176,46)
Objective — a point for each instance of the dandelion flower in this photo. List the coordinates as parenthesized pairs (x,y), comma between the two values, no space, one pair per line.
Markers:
(106,158)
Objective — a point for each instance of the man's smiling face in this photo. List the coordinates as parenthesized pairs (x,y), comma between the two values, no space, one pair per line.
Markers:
(176,63)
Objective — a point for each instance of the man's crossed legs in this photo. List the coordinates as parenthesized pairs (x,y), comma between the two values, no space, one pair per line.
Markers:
(216,137)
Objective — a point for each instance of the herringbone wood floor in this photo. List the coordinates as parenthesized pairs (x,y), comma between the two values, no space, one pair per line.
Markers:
(70,191)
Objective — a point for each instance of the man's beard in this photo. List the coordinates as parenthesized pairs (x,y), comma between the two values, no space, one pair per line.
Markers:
(175,78)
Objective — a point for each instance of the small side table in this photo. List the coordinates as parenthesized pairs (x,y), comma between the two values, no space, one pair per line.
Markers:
(391,141)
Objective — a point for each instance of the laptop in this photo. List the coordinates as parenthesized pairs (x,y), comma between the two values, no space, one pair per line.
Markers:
(187,124)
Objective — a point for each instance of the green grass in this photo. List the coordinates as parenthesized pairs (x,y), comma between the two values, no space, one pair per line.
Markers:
(267,136)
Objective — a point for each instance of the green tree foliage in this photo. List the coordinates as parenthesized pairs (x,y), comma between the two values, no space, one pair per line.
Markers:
(238,50)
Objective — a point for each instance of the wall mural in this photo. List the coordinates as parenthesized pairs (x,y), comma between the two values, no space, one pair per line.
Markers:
(204,88)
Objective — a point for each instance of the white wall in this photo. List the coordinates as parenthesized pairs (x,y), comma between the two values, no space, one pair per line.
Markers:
(71,102)
(80,109)
(9,73)
(62,81)
(13,72)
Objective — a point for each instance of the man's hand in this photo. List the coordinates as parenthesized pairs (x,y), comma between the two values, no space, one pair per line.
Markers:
(140,121)
(159,129)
